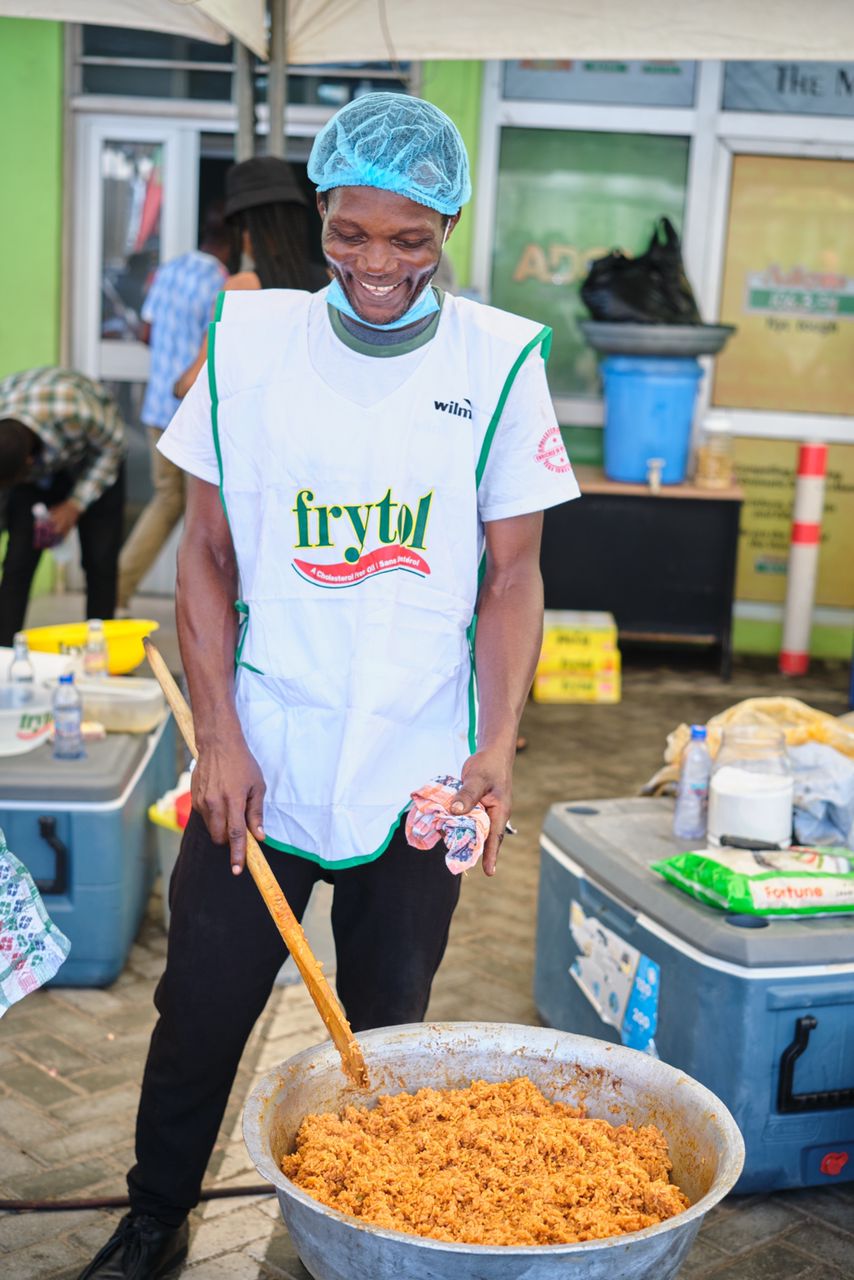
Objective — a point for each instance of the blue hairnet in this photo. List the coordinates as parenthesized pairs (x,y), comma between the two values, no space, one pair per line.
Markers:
(396,143)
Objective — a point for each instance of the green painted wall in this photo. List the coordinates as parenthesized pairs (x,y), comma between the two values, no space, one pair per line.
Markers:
(31,207)
(456,88)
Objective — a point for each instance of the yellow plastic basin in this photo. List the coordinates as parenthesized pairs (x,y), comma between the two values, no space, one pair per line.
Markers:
(124,638)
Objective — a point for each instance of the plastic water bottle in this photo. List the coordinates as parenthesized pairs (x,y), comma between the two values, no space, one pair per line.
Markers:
(692,798)
(95,653)
(21,676)
(67,721)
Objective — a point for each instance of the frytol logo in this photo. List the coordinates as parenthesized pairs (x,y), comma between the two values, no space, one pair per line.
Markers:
(399,530)
(454,407)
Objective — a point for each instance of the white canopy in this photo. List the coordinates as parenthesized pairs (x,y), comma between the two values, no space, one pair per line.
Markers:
(365,30)
(214,20)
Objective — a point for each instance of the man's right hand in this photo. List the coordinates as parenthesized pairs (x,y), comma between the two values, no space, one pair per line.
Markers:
(228,792)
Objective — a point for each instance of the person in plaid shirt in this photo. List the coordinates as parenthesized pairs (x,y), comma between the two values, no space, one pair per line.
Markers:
(62,443)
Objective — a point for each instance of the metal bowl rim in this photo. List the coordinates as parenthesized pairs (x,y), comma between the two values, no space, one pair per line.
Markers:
(700,1208)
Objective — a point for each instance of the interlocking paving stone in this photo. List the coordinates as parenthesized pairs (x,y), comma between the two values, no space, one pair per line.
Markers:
(54,1054)
(755,1219)
(702,1258)
(823,1243)
(20,1229)
(72,1180)
(44,1260)
(37,1085)
(772,1261)
(829,1204)
(25,1125)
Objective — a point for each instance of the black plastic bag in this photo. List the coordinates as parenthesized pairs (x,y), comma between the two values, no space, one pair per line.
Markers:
(650,289)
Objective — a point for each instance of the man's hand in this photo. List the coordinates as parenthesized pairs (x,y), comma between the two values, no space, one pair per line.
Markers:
(228,791)
(487,777)
(64,517)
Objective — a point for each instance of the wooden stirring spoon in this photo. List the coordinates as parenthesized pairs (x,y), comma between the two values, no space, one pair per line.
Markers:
(286,922)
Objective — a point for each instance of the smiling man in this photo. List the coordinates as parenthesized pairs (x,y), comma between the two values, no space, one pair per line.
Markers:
(368,470)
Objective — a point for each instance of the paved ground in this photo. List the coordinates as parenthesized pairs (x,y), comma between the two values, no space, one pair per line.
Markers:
(71,1060)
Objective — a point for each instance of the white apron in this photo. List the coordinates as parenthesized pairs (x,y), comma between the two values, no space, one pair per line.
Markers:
(357,539)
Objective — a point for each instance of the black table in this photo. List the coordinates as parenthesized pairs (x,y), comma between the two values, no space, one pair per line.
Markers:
(663,563)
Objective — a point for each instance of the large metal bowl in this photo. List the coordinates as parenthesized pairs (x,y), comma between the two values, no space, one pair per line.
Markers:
(614,1083)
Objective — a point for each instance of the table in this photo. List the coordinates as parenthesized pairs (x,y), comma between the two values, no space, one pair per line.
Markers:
(663,563)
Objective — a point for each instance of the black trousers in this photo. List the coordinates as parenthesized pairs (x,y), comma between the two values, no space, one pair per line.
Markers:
(100,530)
(390,918)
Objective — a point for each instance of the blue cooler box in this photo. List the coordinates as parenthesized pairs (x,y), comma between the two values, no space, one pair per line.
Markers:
(81,829)
(761,1012)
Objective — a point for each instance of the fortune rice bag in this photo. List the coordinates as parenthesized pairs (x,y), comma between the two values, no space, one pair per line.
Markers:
(789,882)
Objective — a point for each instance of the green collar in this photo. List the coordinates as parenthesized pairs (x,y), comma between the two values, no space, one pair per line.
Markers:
(401,348)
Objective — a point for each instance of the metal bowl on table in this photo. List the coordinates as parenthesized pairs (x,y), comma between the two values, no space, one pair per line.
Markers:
(613,1083)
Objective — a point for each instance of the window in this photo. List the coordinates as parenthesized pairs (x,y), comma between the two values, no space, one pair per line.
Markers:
(152,64)
(624,83)
(563,199)
(788,285)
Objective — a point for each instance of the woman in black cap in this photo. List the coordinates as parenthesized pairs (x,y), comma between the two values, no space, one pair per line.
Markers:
(267,216)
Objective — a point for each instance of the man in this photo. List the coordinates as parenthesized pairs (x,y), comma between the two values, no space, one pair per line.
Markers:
(351,453)
(62,443)
(176,313)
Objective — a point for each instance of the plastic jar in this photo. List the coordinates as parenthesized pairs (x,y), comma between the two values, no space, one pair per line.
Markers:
(750,790)
(715,461)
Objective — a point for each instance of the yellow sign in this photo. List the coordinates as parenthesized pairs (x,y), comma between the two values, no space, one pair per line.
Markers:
(789,287)
(766,473)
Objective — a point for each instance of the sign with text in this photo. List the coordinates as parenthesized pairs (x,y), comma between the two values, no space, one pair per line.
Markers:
(565,198)
(789,287)
(799,88)
(766,472)
(620,81)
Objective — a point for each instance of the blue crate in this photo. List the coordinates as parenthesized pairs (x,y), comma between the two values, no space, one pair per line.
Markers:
(81,829)
(761,1012)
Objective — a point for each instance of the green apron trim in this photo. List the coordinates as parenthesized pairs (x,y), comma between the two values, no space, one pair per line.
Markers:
(242,608)
(215,406)
(543,339)
(220,303)
(345,862)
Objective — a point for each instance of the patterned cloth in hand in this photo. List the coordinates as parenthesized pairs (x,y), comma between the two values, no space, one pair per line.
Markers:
(31,947)
(430,820)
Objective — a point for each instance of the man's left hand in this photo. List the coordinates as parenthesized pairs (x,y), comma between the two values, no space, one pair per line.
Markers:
(64,517)
(487,778)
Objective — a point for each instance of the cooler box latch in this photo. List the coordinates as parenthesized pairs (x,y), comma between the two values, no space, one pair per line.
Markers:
(789,1101)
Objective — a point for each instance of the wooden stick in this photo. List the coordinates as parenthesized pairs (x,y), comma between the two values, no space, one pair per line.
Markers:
(277,904)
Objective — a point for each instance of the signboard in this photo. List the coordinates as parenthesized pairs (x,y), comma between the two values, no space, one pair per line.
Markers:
(766,473)
(636,84)
(563,199)
(789,287)
(799,88)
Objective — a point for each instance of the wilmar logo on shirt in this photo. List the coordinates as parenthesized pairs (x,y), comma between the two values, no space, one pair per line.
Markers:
(394,532)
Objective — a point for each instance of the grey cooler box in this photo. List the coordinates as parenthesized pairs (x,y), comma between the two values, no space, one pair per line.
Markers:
(81,829)
(761,1011)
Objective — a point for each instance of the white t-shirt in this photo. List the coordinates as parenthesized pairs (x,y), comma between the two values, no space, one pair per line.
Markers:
(527,470)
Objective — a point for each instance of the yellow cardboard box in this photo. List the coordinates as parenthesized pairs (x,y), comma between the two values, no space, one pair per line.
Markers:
(576,660)
(599,687)
(573,628)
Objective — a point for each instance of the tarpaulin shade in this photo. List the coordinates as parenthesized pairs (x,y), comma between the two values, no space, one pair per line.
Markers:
(214,20)
(366,30)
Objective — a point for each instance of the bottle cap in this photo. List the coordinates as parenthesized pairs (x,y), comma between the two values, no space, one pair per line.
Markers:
(68,678)
(698,732)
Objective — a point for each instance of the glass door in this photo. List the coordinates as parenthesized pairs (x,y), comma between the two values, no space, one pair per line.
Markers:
(135,206)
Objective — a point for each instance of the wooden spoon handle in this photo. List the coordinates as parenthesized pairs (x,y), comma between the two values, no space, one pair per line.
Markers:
(286,922)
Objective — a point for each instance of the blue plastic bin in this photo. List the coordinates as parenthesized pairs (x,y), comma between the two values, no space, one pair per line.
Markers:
(759,1011)
(81,830)
(649,409)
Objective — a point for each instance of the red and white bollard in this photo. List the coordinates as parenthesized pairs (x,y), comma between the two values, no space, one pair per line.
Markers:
(803,559)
